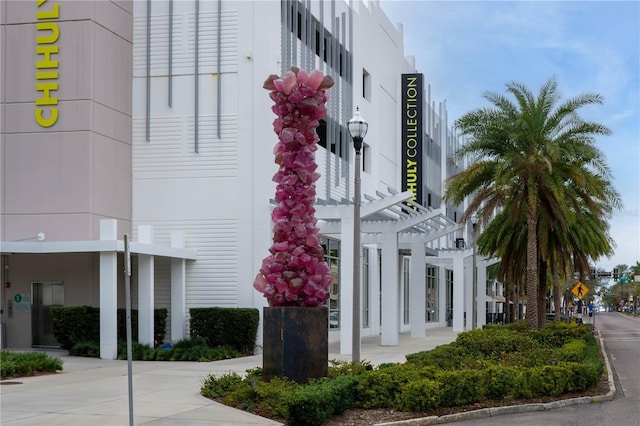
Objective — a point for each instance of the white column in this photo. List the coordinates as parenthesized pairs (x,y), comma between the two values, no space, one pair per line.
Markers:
(145,288)
(374,263)
(417,291)
(390,278)
(442,293)
(346,284)
(468,291)
(178,290)
(108,293)
(458,292)
(482,292)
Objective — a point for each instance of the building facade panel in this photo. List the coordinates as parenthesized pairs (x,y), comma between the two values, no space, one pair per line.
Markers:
(48,175)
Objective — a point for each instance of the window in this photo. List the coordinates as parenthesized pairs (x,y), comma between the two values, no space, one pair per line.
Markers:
(406,262)
(332,257)
(331,50)
(366,85)
(332,143)
(366,158)
(366,290)
(432,306)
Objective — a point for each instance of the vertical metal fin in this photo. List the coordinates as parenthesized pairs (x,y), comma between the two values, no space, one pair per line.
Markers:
(197,77)
(170,71)
(148,82)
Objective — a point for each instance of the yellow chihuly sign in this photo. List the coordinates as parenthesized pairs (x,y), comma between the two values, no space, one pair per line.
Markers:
(48,33)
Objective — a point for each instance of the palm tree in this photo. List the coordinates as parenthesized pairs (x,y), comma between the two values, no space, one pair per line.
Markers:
(536,160)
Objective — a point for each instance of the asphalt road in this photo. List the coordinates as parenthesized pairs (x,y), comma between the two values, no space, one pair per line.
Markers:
(621,335)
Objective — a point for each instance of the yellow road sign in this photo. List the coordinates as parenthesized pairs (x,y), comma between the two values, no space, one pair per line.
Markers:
(580,290)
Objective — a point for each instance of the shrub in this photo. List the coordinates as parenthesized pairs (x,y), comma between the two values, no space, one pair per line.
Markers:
(75,324)
(555,378)
(419,395)
(243,396)
(554,334)
(347,368)
(159,325)
(274,396)
(445,357)
(459,387)
(218,387)
(14,364)
(379,388)
(581,376)
(88,349)
(315,403)
(237,327)
(491,343)
(498,381)
(573,351)
(139,352)
(376,389)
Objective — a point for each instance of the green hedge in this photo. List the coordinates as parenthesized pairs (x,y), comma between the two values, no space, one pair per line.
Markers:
(159,325)
(481,365)
(76,324)
(236,327)
(312,405)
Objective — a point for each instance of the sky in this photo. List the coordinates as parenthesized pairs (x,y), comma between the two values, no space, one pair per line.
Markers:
(466,48)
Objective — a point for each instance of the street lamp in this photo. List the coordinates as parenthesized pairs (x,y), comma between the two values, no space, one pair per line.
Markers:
(474,310)
(358,127)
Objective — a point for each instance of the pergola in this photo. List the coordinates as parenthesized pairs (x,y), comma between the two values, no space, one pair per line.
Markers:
(392,222)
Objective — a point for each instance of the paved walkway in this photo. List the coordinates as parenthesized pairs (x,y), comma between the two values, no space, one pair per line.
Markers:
(94,392)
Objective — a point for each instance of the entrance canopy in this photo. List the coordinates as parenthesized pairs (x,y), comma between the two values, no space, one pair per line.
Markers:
(45,247)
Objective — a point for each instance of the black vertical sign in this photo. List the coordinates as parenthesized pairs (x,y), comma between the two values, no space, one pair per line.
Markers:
(412,131)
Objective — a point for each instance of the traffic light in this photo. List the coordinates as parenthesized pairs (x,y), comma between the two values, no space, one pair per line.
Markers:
(615,273)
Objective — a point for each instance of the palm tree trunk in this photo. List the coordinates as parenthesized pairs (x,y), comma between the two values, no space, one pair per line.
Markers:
(513,302)
(532,267)
(556,290)
(542,293)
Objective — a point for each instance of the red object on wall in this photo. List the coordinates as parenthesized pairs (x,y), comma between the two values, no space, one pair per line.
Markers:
(7,284)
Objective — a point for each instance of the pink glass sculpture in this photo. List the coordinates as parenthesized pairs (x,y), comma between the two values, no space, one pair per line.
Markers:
(295,274)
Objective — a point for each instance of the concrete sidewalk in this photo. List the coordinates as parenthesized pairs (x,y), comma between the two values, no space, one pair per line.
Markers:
(94,392)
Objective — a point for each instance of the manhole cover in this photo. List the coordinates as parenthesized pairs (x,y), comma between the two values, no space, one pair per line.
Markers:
(10,383)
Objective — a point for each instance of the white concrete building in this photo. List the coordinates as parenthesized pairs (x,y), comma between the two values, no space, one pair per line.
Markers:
(148,118)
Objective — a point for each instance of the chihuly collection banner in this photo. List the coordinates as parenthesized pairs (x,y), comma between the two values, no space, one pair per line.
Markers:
(412,131)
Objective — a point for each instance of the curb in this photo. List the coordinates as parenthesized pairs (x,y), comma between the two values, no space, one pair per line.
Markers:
(514,409)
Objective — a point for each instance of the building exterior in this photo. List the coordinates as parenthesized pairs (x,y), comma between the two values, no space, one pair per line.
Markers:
(148,119)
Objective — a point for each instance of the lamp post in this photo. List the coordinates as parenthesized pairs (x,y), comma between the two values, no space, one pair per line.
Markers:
(474,310)
(358,127)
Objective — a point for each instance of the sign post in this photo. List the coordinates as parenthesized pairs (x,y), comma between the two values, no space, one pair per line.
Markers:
(127,291)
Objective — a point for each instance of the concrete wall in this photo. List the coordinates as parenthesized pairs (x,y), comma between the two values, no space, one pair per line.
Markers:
(62,176)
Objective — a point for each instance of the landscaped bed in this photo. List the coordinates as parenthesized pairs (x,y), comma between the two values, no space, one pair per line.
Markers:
(21,364)
(498,365)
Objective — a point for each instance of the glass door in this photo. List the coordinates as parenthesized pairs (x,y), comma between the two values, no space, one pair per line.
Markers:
(43,297)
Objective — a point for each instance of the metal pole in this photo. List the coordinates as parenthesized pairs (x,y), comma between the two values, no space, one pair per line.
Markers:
(474,310)
(355,350)
(127,290)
